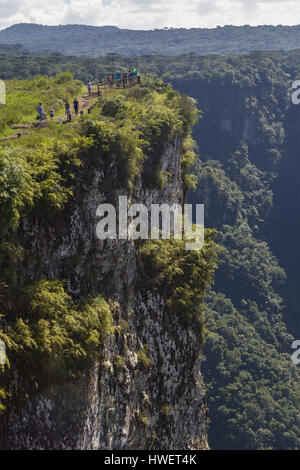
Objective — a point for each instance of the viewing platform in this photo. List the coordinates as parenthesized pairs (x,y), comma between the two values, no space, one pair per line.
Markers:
(120,83)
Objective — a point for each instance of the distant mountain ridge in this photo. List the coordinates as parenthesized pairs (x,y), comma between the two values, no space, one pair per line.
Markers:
(95,41)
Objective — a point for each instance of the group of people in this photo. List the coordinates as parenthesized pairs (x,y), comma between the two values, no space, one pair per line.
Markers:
(42,114)
(122,76)
(75,107)
(118,78)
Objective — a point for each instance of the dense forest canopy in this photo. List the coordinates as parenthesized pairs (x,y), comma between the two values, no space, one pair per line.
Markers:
(247,176)
(16,62)
(94,41)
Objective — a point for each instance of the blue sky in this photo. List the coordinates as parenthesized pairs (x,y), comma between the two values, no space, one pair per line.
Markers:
(148,14)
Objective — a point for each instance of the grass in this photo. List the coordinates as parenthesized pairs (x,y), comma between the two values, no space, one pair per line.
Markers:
(23,97)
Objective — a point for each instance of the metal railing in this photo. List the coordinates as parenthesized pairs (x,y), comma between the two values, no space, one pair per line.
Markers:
(120,83)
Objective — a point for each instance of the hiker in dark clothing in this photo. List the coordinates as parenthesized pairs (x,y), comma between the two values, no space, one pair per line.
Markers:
(130,76)
(76,106)
(124,76)
(68,110)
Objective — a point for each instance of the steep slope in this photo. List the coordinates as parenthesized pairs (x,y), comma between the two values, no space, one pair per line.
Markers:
(103,353)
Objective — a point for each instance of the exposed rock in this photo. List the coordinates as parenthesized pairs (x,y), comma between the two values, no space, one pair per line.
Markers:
(122,403)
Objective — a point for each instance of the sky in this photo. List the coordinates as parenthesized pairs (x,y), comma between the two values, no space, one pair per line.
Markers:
(149,14)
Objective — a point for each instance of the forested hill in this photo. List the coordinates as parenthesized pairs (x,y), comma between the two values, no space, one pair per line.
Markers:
(248,179)
(94,41)
(247,176)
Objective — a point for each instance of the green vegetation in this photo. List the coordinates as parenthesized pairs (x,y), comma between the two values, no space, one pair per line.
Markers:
(145,420)
(198,70)
(252,386)
(31,174)
(93,41)
(165,410)
(23,97)
(246,176)
(54,337)
(119,362)
(143,359)
(182,276)
(137,125)
(2,398)
(253,391)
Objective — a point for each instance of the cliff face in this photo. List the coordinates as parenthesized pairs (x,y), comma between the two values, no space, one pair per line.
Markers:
(145,389)
(247,108)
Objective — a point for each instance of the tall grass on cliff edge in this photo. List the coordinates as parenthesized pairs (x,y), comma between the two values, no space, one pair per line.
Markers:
(23,97)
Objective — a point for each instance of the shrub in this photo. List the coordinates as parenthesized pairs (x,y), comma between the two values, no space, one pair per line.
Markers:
(165,410)
(111,106)
(145,420)
(119,362)
(181,276)
(54,335)
(143,358)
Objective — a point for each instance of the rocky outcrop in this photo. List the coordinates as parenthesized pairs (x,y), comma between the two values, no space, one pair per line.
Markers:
(145,390)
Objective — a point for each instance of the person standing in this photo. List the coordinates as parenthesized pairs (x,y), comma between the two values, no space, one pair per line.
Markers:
(68,111)
(130,75)
(89,86)
(51,112)
(76,106)
(124,76)
(118,79)
(40,111)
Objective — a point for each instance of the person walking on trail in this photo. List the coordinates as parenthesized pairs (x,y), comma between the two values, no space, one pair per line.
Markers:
(76,106)
(40,111)
(51,112)
(89,87)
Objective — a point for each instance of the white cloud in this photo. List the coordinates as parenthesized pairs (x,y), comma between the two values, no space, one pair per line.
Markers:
(147,14)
